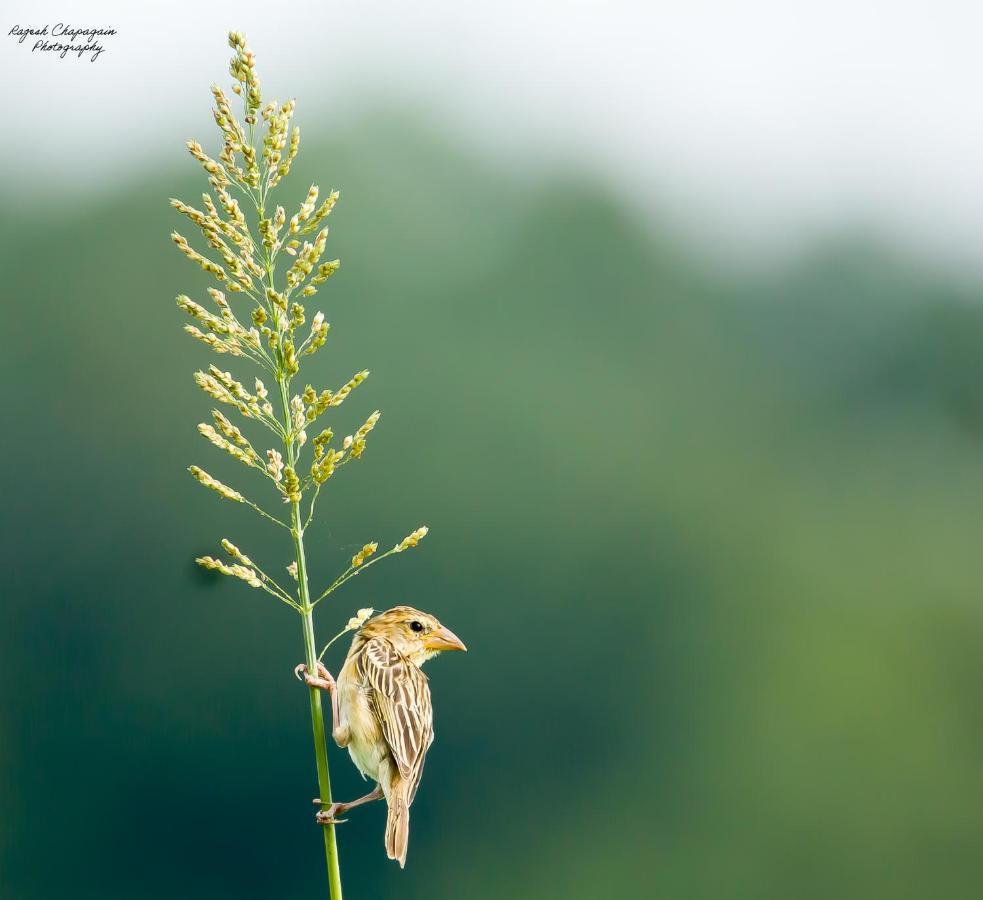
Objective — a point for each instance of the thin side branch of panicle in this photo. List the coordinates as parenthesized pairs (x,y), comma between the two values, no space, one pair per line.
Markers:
(246,570)
(353,624)
(234,570)
(412,539)
(223,490)
(359,564)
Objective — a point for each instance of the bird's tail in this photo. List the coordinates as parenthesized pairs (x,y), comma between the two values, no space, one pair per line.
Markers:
(398,824)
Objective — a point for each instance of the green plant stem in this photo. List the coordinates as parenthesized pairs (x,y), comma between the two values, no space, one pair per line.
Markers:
(317,714)
(310,653)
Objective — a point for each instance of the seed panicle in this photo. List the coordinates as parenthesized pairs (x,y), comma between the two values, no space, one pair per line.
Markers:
(364,554)
(223,490)
(412,539)
(257,314)
(241,572)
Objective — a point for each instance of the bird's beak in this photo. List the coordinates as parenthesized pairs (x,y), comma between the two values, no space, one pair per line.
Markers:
(444,639)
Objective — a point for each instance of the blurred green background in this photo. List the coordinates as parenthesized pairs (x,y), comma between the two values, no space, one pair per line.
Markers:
(711,533)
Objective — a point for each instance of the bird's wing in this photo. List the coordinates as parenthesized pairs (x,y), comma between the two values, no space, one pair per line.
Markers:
(401,699)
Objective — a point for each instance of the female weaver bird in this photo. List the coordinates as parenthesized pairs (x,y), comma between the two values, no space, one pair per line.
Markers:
(380,708)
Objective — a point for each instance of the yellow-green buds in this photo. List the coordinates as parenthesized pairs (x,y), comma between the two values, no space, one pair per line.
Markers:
(225,118)
(243,69)
(236,553)
(364,554)
(290,364)
(236,571)
(277,300)
(306,208)
(338,398)
(195,215)
(307,258)
(321,441)
(223,387)
(229,430)
(296,315)
(205,263)
(223,490)
(213,341)
(246,456)
(370,423)
(291,484)
(267,233)
(277,126)
(249,155)
(412,539)
(227,335)
(323,468)
(284,168)
(324,272)
(327,398)
(357,443)
(216,171)
(318,335)
(322,213)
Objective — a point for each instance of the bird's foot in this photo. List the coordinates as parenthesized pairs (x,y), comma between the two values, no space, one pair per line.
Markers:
(324,679)
(328,816)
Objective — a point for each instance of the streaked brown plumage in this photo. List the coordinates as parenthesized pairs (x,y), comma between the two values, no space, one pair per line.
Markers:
(382,712)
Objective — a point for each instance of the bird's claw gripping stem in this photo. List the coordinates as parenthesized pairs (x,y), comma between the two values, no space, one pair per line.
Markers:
(323,679)
(327,816)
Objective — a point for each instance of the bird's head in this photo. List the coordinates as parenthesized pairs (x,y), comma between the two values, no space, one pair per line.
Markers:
(417,635)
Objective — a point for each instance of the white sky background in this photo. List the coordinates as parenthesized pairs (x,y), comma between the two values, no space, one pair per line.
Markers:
(758,124)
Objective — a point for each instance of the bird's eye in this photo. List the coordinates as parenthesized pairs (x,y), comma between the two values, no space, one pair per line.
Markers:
(416,626)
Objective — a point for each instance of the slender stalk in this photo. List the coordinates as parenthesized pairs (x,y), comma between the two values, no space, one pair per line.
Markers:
(310,646)
(317,714)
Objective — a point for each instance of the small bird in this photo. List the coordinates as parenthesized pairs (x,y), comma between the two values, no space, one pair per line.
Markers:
(381,711)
